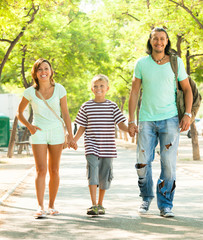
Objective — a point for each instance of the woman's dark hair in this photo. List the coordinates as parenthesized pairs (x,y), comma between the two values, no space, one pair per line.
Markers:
(35,69)
(168,46)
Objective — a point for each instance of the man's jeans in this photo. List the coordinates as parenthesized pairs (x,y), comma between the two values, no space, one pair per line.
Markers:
(166,132)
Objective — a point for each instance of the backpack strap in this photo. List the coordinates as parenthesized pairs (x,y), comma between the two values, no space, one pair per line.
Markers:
(174,66)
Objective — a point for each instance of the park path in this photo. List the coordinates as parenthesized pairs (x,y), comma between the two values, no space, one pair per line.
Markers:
(121,202)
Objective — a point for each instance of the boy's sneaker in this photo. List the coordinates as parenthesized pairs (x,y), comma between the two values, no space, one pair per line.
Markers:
(166,212)
(92,210)
(101,210)
(144,207)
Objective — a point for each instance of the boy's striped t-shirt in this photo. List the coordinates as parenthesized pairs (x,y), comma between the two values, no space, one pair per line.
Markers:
(99,119)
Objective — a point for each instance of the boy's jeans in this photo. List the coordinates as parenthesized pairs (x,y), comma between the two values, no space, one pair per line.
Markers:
(167,133)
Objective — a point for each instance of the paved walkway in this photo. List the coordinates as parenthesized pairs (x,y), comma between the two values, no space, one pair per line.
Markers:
(121,202)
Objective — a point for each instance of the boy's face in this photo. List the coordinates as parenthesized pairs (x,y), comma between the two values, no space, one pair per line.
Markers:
(100,88)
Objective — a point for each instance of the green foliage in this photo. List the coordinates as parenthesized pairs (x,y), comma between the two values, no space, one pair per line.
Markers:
(107,39)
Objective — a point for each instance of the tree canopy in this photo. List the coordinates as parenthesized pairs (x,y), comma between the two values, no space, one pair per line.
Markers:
(84,38)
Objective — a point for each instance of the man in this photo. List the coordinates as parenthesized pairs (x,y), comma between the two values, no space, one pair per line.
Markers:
(158,120)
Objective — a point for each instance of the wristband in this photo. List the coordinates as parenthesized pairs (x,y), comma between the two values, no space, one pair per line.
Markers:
(188,114)
(131,122)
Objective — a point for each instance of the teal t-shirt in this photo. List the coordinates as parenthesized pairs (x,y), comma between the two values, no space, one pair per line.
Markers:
(159,88)
(43,116)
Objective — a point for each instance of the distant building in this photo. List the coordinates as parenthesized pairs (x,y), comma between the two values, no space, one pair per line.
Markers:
(9,105)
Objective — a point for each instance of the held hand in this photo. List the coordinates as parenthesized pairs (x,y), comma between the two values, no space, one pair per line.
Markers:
(184,123)
(75,145)
(132,129)
(72,143)
(33,129)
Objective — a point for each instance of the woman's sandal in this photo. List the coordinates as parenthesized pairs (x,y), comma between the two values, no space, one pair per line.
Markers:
(40,214)
(53,212)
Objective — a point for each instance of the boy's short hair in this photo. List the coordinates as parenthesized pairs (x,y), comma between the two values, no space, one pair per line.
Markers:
(100,77)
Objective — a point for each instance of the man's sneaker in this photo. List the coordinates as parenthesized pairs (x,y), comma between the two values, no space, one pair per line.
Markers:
(92,210)
(166,212)
(101,210)
(144,207)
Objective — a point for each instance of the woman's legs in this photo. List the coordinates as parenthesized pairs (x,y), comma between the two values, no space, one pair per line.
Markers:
(53,165)
(40,155)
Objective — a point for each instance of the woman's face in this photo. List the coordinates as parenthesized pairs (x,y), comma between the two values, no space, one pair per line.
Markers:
(44,72)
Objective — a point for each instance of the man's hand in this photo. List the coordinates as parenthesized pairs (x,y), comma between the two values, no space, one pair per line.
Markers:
(184,123)
(132,129)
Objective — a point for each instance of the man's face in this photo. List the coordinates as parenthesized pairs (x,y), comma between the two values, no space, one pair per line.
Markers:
(158,41)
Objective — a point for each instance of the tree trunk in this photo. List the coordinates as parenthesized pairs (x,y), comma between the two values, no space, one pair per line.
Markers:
(122,103)
(148,4)
(188,61)
(26,132)
(195,143)
(25,83)
(194,135)
(13,133)
(12,45)
(12,139)
(178,44)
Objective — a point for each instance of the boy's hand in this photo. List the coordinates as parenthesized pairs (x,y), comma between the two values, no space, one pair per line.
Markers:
(75,145)
(132,129)
(72,143)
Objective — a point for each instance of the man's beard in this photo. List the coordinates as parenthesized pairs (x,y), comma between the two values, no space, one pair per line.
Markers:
(158,51)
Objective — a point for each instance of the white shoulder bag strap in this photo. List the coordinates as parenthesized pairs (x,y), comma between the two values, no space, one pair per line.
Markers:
(52,110)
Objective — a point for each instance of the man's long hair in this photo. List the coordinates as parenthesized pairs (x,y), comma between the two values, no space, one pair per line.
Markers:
(168,46)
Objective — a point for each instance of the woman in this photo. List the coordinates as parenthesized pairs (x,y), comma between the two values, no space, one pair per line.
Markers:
(47,132)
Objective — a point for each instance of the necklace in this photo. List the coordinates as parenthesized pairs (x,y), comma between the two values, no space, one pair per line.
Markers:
(160,60)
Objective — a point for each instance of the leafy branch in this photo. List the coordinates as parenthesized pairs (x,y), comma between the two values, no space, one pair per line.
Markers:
(196,55)
(5,40)
(131,16)
(34,11)
(189,11)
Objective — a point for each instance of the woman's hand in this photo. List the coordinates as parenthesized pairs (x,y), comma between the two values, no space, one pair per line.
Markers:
(72,143)
(33,129)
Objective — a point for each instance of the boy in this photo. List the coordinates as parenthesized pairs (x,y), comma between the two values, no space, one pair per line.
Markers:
(97,119)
